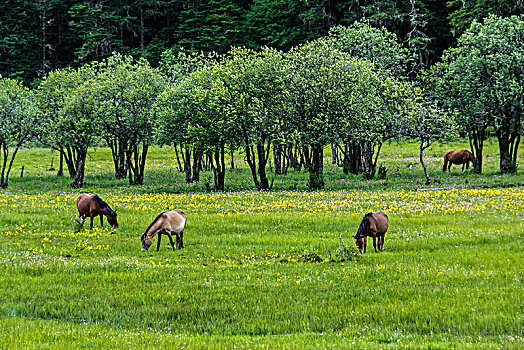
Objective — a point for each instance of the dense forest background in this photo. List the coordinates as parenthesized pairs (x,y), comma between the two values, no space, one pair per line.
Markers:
(39,36)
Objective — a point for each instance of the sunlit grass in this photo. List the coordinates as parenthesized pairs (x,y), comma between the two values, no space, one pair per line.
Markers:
(450,275)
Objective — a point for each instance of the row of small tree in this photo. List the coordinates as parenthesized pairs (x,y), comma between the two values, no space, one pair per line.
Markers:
(348,89)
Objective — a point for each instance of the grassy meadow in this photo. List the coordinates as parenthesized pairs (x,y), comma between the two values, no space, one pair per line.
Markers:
(264,269)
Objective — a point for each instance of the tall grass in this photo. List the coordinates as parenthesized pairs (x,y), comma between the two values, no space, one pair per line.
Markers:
(449,277)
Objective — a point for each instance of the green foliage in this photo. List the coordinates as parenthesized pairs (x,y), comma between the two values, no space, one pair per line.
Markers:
(209,26)
(465,12)
(67,123)
(377,45)
(178,64)
(422,26)
(123,96)
(482,79)
(37,37)
(96,28)
(448,277)
(255,87)
(18,115)
(124,92)
(283,24)
(197,109)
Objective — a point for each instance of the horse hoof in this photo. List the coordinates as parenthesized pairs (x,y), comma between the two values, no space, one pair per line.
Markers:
(113,232)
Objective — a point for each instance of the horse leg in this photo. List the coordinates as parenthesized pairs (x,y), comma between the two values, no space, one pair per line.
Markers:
(101,220)
(91,227)
(169,234)
(180,242)
(375,243)
(365,244)
(158,243)
(380,243)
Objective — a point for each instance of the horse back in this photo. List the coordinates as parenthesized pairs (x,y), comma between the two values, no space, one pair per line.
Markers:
(449,154)
(83,203)
(458,156)
(379,221)
(89,205)
(176,220)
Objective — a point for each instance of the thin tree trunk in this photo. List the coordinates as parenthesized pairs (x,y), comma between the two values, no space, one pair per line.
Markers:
(506,140)
(334,153)
(118,150)
(352,161)
(70,157)
(61,168)
(136,163)
(515,149)
(187,164)
(315,166)
(52,166)
(78,181)
(422,148)
(367,162)
(250,158)
(5,154)
(277,158)
(142,29)
(232,163)
(142,164)
(219,168)
(197,167)
(284,161)
(263,156)
(178,159)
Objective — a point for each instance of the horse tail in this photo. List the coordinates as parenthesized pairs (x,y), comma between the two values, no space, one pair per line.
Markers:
(152,223)
(445,162)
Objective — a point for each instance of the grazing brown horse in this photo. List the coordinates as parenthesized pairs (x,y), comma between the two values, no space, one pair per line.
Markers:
(372,225)
(91,206)
(168,223)
(462,156)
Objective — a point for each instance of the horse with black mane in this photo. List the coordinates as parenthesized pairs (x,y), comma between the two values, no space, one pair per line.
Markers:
(372,225)
(458,157)
(169,223)
(91,206)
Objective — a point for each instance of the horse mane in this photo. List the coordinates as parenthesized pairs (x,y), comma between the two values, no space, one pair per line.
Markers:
(102,204)
(99,200)
(364,224)
(154,221)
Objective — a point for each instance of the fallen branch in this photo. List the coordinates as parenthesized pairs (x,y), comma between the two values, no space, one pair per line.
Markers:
(343,248)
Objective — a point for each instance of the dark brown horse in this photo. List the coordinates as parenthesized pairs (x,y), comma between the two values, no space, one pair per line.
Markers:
(168,223)
(92,205)
(458,157)
(372,225)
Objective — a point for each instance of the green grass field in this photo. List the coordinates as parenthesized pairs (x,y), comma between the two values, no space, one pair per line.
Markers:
(450,275)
